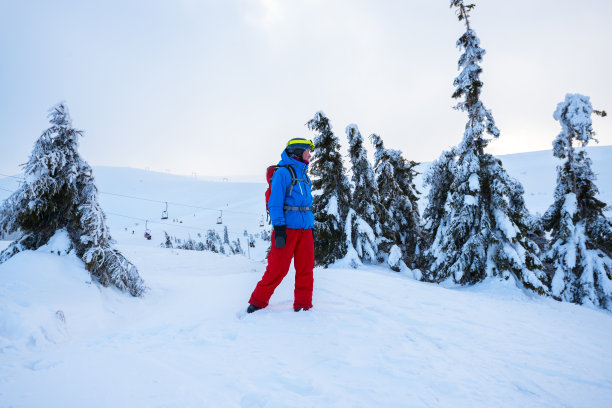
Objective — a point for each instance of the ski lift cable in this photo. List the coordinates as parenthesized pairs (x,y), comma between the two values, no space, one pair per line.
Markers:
(154,222)
(156,201)
(240,234)
(178,204)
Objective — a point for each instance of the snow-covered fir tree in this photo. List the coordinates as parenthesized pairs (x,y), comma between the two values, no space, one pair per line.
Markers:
(167,241)
(225,235)
(365,225)
(331,193)
(399,213)
(439,177)
(237,247)
(483,229)
(581,235)
(214,242)
(59,193)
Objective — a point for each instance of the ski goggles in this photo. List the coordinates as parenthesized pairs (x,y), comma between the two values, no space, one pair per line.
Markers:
(306,142)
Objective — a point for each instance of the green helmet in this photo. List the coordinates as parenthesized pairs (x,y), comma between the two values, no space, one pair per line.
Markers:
(297,146)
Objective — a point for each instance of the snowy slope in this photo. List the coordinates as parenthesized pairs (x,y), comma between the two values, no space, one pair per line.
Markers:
(374,339)
(537,172)
(134,200)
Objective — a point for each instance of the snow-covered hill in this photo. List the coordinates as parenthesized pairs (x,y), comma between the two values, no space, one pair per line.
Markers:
(375,338)
(537,173)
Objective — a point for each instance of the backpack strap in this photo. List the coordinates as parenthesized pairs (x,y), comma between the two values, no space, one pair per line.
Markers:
(294,178)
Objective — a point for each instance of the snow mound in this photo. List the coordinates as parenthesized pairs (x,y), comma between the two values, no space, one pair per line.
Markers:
(36,291)
(58,244)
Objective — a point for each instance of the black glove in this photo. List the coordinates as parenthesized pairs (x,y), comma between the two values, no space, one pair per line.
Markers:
(280,236)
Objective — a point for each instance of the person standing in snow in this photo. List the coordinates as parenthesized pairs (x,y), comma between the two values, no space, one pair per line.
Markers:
(290,206)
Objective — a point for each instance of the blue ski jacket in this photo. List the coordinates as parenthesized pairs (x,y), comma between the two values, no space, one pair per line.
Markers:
(282,195)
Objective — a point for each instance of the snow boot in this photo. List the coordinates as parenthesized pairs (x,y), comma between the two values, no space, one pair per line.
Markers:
(252,308)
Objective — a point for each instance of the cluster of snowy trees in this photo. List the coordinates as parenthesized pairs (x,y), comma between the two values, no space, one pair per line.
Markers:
(373,217)
(212,242)
(475,225)
(58,193)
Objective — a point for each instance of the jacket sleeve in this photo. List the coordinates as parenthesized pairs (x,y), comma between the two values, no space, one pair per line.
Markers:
(280,183)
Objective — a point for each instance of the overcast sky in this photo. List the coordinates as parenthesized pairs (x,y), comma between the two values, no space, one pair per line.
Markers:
(218,87)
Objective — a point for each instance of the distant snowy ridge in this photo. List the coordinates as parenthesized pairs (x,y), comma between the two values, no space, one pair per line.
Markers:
(536,171)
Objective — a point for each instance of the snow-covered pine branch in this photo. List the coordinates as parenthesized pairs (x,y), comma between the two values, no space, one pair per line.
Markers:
(59,192)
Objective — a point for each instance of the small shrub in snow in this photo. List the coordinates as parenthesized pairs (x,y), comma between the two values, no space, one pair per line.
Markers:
(167,241)
(265,235)
(236,247)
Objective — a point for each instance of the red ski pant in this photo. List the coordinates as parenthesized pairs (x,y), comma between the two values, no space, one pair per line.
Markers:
(300,247)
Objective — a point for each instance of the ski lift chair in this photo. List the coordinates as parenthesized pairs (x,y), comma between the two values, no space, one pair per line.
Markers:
(220,218)
(164,215)
(147,233)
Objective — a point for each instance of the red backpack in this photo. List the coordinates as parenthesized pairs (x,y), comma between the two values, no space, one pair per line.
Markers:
(270,173)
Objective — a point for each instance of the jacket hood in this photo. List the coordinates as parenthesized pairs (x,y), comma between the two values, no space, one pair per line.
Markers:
(285,160)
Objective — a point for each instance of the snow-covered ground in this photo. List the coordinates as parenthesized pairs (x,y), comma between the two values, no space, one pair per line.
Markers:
(375,338)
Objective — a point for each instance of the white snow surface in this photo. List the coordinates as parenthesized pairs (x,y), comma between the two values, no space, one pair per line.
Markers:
(474,182)
(504,224)
(395,256)
(332,207)
(375,338)
(469,199)
(58,244)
